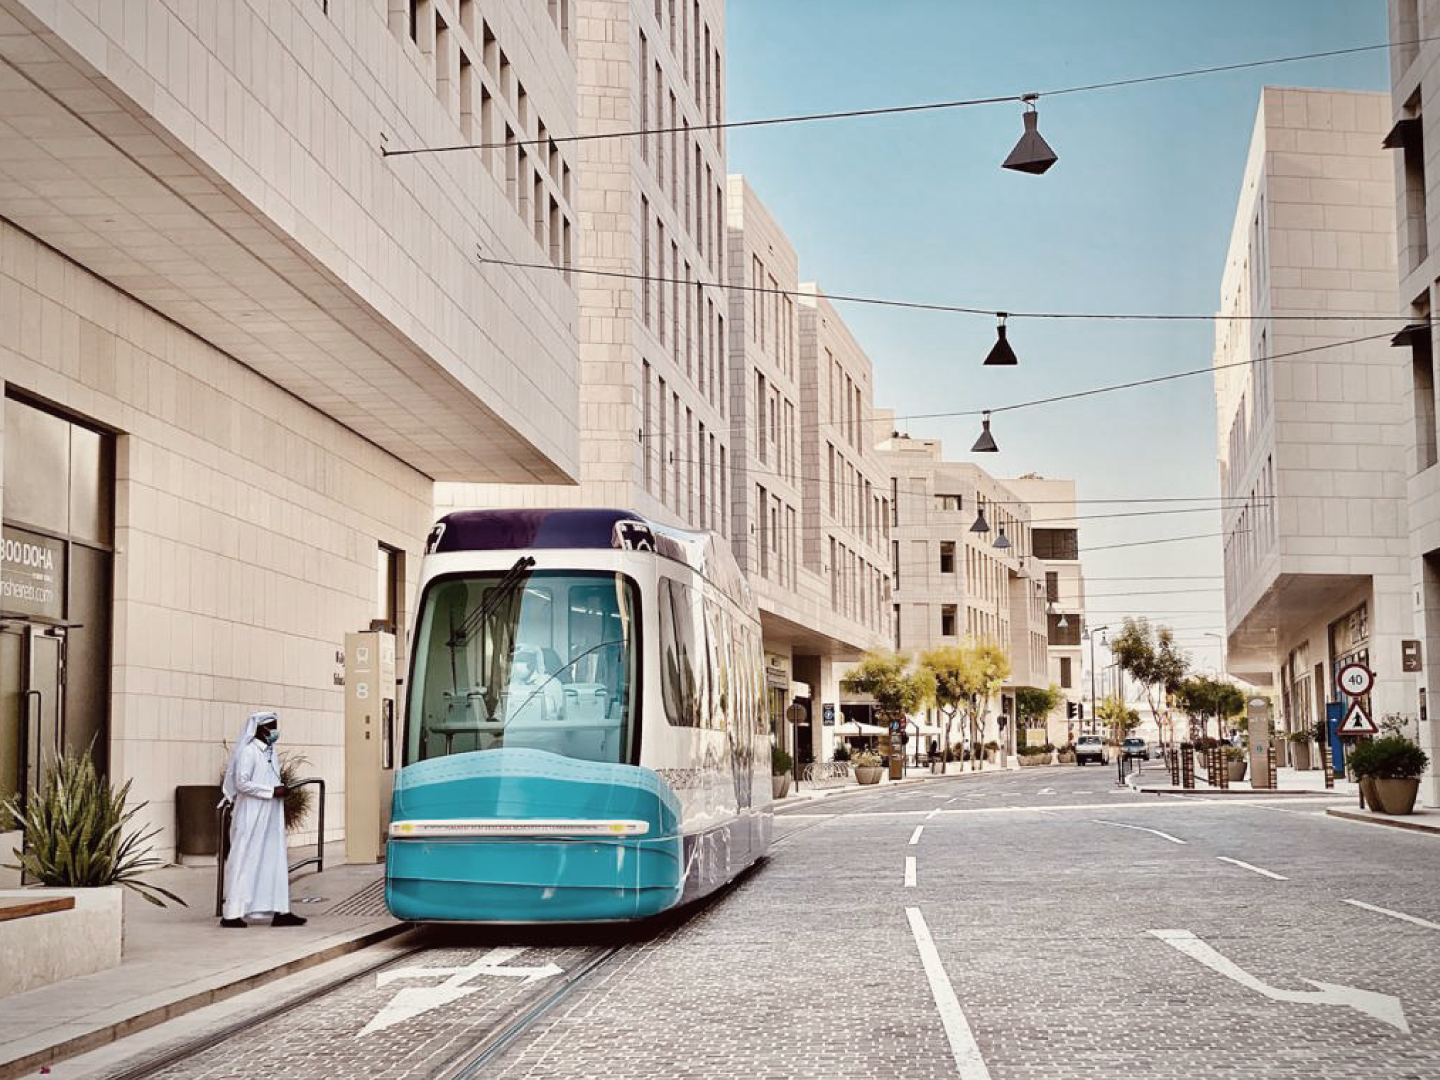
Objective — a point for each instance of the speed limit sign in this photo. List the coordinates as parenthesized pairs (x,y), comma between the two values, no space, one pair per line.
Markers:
(1355,679)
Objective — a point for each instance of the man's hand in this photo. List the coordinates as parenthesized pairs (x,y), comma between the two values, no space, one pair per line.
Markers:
(281,791)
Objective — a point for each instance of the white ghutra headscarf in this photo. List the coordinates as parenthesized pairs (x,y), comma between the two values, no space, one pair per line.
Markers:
(228,786)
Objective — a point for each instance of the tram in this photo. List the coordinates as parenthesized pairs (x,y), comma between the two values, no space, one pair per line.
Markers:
(584,733)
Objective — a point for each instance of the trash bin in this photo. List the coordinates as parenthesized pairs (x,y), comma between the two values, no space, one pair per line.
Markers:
(196,823)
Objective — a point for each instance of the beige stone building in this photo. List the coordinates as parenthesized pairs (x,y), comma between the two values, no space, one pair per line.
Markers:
(1411,137)
(1313,454)
(238,344)
(965,566)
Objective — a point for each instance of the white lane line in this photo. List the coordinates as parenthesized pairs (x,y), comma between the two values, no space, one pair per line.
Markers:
(932,813)
(1140,828)
(909,871)
(915,836)
(968,1061)
(1254,869)
(1393,914)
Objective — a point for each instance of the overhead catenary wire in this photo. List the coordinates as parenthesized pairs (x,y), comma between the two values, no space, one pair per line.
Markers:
(900,110)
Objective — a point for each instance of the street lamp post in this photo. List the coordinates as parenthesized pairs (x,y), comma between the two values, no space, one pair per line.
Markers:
(1090,632)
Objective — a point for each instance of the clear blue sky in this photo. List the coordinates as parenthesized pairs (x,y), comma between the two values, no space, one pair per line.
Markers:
(1135,217)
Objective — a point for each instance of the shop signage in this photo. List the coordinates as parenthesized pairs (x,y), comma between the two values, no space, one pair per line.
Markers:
(1410,655)
(827,715)
(32,574)
(777,669)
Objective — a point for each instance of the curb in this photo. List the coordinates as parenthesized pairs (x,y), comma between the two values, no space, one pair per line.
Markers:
(104,1034)
(1392,822)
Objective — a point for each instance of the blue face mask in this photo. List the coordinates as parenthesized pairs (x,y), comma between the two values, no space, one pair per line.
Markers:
(271,736)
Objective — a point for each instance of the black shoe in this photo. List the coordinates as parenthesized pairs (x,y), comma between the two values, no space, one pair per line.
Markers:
(234,924)
(285,918)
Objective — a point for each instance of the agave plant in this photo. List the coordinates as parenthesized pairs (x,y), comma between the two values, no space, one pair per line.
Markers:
(76,832)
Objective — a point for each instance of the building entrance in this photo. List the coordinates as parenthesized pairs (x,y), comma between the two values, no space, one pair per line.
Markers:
(32,684)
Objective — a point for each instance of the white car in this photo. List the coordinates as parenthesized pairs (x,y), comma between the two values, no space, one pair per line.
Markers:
(1089,748)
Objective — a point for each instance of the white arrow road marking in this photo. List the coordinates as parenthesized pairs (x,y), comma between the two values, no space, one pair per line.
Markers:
(1382,1007)
(409,1002)
(1140,828)
(915,836)
(968,1061)
(1393,914)
(1255,869)
(1046,791)
(909,871)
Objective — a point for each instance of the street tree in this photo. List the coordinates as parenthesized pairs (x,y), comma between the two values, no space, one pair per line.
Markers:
(1033,705)
(1117,716)
(964,679)
(897,689)
(1204,698)
(1150,656)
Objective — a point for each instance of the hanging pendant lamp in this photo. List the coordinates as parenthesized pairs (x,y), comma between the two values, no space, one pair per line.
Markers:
(1002,541)
(1032,154)
(985,444)
(981,525)
(1001,354)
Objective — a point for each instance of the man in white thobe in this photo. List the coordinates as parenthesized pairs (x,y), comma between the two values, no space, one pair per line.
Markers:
(257,876)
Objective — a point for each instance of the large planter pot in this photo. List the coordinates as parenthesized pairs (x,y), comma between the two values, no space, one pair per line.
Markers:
(1367,793)
(1301,752)
(1065,759)
(869,774)
(1236,769)
(197,826)
(1034,759)
(780,786)
(1395,796)
(83,938)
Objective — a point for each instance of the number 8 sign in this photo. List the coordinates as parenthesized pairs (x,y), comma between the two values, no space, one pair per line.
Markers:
(1355,679)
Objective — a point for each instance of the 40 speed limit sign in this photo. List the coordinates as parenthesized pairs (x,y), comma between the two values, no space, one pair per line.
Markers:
(1355,679)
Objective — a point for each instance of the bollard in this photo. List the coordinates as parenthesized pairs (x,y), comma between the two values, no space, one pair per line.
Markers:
(1187,766)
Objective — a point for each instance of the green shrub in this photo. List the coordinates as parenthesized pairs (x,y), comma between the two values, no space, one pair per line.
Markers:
(1298,737)
(1234,753)
(842,752)
(1391,758)
(76,832)
(867,759)
(992,745)
(1031,751)
(780,762)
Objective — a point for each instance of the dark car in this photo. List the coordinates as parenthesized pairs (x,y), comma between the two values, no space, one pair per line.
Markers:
(1135,747)
(1089,748)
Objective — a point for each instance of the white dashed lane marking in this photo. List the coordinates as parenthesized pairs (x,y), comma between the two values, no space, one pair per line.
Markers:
(915,836)
(1253,869)
(1393,914)
(909,871)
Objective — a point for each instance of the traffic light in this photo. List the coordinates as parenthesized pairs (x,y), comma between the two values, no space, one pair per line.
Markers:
(1081,707)
(1070,712)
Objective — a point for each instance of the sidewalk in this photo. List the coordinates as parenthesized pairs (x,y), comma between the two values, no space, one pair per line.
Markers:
(808,793)
(177,959)
(1422,821)
(1155,780)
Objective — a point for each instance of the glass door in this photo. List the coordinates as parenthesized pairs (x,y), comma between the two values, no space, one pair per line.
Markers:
(31,679)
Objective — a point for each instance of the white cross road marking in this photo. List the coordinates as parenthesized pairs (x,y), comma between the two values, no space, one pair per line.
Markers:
(409,1002)
(1140,828)
(1393,914)
(1253,869)
(969,1062)
(909,871)
(915,836)
(1382,1007)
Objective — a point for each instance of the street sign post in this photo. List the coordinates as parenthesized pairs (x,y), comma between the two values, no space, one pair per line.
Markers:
(1358,722)
(1355,679)
(1410,655)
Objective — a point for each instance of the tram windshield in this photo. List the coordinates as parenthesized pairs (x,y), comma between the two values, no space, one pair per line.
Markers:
(544,661)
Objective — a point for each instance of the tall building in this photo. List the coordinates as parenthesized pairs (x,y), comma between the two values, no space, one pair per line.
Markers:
(965,566)
(1312,447)
(810,504)
(653,379)
(237,343)
(1414,81)
(1055,543)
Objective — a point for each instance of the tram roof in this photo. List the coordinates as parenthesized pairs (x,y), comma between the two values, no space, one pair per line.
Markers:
(581,528)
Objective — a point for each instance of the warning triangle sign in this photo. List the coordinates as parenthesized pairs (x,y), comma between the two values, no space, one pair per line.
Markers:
(1357,721)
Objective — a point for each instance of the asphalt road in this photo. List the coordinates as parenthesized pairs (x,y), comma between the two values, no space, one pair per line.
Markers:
(1039,924)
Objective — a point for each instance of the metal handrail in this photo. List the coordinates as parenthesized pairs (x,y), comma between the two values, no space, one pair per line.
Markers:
(222,818)
(820,772)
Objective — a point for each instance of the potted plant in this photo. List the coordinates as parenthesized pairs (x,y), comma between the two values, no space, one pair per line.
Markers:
(78,834)
(991,748)
(1035,755)
(842,752)
(1299,749)
(780,765)
(1066,754)
(1389,769)
(1235,763)
(868,767)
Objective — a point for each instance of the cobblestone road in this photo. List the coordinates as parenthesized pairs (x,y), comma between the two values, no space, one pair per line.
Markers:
(1040,891)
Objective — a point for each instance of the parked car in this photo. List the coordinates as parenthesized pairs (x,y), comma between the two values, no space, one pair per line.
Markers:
(1089,748)
(1135,747)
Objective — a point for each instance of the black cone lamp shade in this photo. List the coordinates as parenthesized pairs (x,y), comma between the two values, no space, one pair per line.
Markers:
(1032,154)
(1002,541)
(981,525)
(1001,354)
(985,444)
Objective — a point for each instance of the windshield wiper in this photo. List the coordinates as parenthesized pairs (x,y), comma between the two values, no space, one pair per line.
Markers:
(513,579)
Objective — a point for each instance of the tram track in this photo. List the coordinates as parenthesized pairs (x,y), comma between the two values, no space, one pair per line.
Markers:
(492,1041)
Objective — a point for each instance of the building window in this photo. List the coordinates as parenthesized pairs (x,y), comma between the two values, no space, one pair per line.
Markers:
(947,556)
(947,620)
(947,503)
(1052,586)
(1069,634)
(389,587)
(1056,544)
(1065,675)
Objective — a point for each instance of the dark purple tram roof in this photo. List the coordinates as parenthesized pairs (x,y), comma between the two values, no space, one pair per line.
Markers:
(570,528)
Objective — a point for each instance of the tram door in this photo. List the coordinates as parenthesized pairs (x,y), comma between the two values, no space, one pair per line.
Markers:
(32,661)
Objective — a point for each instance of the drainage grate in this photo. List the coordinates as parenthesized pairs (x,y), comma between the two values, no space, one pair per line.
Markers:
(369,901)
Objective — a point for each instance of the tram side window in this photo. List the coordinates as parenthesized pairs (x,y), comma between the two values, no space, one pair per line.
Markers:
(679,655)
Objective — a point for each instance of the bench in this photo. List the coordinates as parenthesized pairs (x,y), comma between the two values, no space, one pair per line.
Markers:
(23,909)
